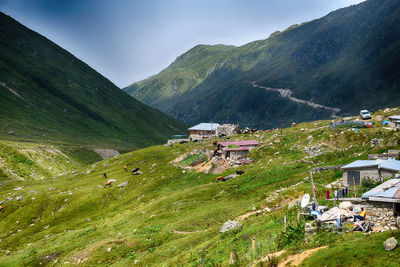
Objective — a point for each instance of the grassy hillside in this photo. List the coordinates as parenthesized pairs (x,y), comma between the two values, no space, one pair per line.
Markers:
(47,93)
(184,74)
(169,216)
(347,59)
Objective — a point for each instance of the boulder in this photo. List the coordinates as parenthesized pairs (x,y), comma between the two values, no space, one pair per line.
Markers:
(230,225)
(19,198)
(334,213)
(123,184)
(390,243)
(227,130)
(346,205)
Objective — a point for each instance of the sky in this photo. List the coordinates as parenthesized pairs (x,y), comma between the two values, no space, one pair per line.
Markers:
(130,40)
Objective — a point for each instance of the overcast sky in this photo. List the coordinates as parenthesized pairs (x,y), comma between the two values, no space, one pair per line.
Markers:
(129,40)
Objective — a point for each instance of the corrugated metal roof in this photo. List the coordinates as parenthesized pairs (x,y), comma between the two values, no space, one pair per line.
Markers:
(389,164)
(205,126)
(240,143)
(388,189)
(395,117)
(360,163)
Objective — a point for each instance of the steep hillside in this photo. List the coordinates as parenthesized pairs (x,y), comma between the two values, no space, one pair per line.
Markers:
(347,60)
(170,216)
(184,74)
(47,93)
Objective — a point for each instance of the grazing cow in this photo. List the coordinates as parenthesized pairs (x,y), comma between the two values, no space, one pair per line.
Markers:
(1,209)
(135,170)
(220,178)
(239,172)
(125,168)
(293,124)
(107,184)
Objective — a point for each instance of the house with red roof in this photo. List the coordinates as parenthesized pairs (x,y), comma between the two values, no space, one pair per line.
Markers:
(237,149)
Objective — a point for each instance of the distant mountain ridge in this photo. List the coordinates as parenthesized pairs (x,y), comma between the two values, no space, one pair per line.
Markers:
(347,60)
(47,93)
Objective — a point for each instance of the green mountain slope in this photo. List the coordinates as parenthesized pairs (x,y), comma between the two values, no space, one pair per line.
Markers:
(348,60)
(47,93)
(171,216)
(184,74)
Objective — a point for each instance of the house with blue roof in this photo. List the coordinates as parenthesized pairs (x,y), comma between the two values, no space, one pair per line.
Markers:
(202,130)
(377,170)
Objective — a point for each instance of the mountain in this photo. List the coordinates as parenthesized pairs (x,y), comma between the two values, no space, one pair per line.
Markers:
(47,93)
(335,65)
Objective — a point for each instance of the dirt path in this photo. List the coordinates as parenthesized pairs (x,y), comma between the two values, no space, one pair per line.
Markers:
(287,93)
(297,259)
(11,90)
(185,232)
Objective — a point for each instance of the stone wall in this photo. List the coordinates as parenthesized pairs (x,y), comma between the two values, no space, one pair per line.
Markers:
(369,172)
(380,214)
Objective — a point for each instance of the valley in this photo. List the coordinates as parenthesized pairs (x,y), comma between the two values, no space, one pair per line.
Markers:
(171,216)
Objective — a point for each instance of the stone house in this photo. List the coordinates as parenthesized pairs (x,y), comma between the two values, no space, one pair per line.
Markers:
(237,149)
(202,131)
(383,204)
(394,121)
(377,170)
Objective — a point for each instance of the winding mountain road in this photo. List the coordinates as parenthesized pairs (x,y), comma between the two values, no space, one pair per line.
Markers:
(287,93)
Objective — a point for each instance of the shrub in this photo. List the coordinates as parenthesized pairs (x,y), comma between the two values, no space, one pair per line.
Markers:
(292,235)
(368,184)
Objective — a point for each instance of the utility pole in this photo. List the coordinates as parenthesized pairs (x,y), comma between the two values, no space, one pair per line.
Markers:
(313,188)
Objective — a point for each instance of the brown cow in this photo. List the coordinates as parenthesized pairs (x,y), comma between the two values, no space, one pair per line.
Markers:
(125,168)
(107,184)
(220,178)
(1,209)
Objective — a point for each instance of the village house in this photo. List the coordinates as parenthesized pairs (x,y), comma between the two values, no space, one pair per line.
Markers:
(237,149)
(202,131)
(383,204)
(394,121)
(377,170)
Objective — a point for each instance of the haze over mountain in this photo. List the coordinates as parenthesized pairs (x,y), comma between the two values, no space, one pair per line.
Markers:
(47,93)
(334,65)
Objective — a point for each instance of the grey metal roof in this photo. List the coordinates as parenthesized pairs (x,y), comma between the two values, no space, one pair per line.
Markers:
(395,117)
(360,163)
(390,164)
(387,190)
(205,126)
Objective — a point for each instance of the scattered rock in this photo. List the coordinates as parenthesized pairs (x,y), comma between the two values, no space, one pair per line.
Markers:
(376,141)
(123,184)
(346,205)
(390,244)
(109,249)
(19,198)
(230,225)
(17,188)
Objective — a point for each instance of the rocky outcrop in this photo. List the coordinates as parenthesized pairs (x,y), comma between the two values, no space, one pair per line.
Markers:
(227,130)
(230,225)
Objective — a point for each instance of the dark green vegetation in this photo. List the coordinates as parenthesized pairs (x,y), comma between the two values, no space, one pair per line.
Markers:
(348,59)
(170,216)
(47,93)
